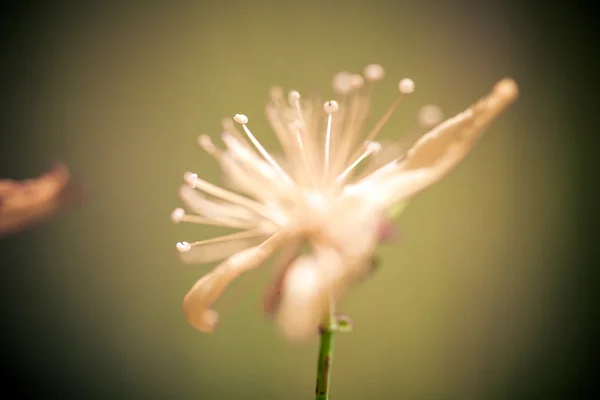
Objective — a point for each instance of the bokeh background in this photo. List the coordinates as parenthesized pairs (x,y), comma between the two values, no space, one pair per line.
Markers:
(484,296)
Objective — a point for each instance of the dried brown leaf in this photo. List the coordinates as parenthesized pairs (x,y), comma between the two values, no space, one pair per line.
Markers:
(25,203)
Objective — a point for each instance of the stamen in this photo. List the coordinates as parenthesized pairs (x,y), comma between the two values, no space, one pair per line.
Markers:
(240,119)
(194,182)
(178,215)
(372,179)
(243,120)
(330,107)
(342,83)
(294,100)
(295,127)
(207,145)
(357,81)
(374,72)
(371,147)
(228,125)
(184,247)
(249,158)
(405,86)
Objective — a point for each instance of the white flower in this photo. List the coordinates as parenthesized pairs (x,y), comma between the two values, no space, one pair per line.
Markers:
(319,195)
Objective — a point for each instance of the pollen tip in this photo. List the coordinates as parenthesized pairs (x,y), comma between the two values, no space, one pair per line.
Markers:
(293,96)
(177,215)
(183,247)
(357,81)
(342,82)
(374,72)
(331,106)
(406,86)
(373,146)
(240,119)
(190,178)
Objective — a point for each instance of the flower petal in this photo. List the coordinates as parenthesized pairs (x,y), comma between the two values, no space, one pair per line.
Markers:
(442,148)
(197,303)
(310,289)
(228,214)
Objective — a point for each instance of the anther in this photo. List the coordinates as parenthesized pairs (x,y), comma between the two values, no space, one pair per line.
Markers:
(406,86)
(293,97)
(240,119)
(371,147)
(374,72)
(190,178)
(183,247)
(342,82)
(177,215)
(357,81)
(331,106)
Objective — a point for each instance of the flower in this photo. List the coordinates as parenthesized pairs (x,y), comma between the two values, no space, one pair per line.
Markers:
(318,196)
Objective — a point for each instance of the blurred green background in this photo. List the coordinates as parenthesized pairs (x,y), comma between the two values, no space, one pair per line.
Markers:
(477,301)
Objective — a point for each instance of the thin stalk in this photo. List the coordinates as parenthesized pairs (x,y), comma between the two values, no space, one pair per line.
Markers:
(324,362)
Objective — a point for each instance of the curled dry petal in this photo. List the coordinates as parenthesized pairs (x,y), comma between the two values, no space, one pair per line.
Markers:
(24,203)
(442,148)
(206,291)
(450,141)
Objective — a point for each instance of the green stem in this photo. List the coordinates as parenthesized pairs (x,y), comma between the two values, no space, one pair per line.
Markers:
(324,362)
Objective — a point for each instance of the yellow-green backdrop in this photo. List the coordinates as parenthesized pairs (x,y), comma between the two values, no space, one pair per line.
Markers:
(463,305)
